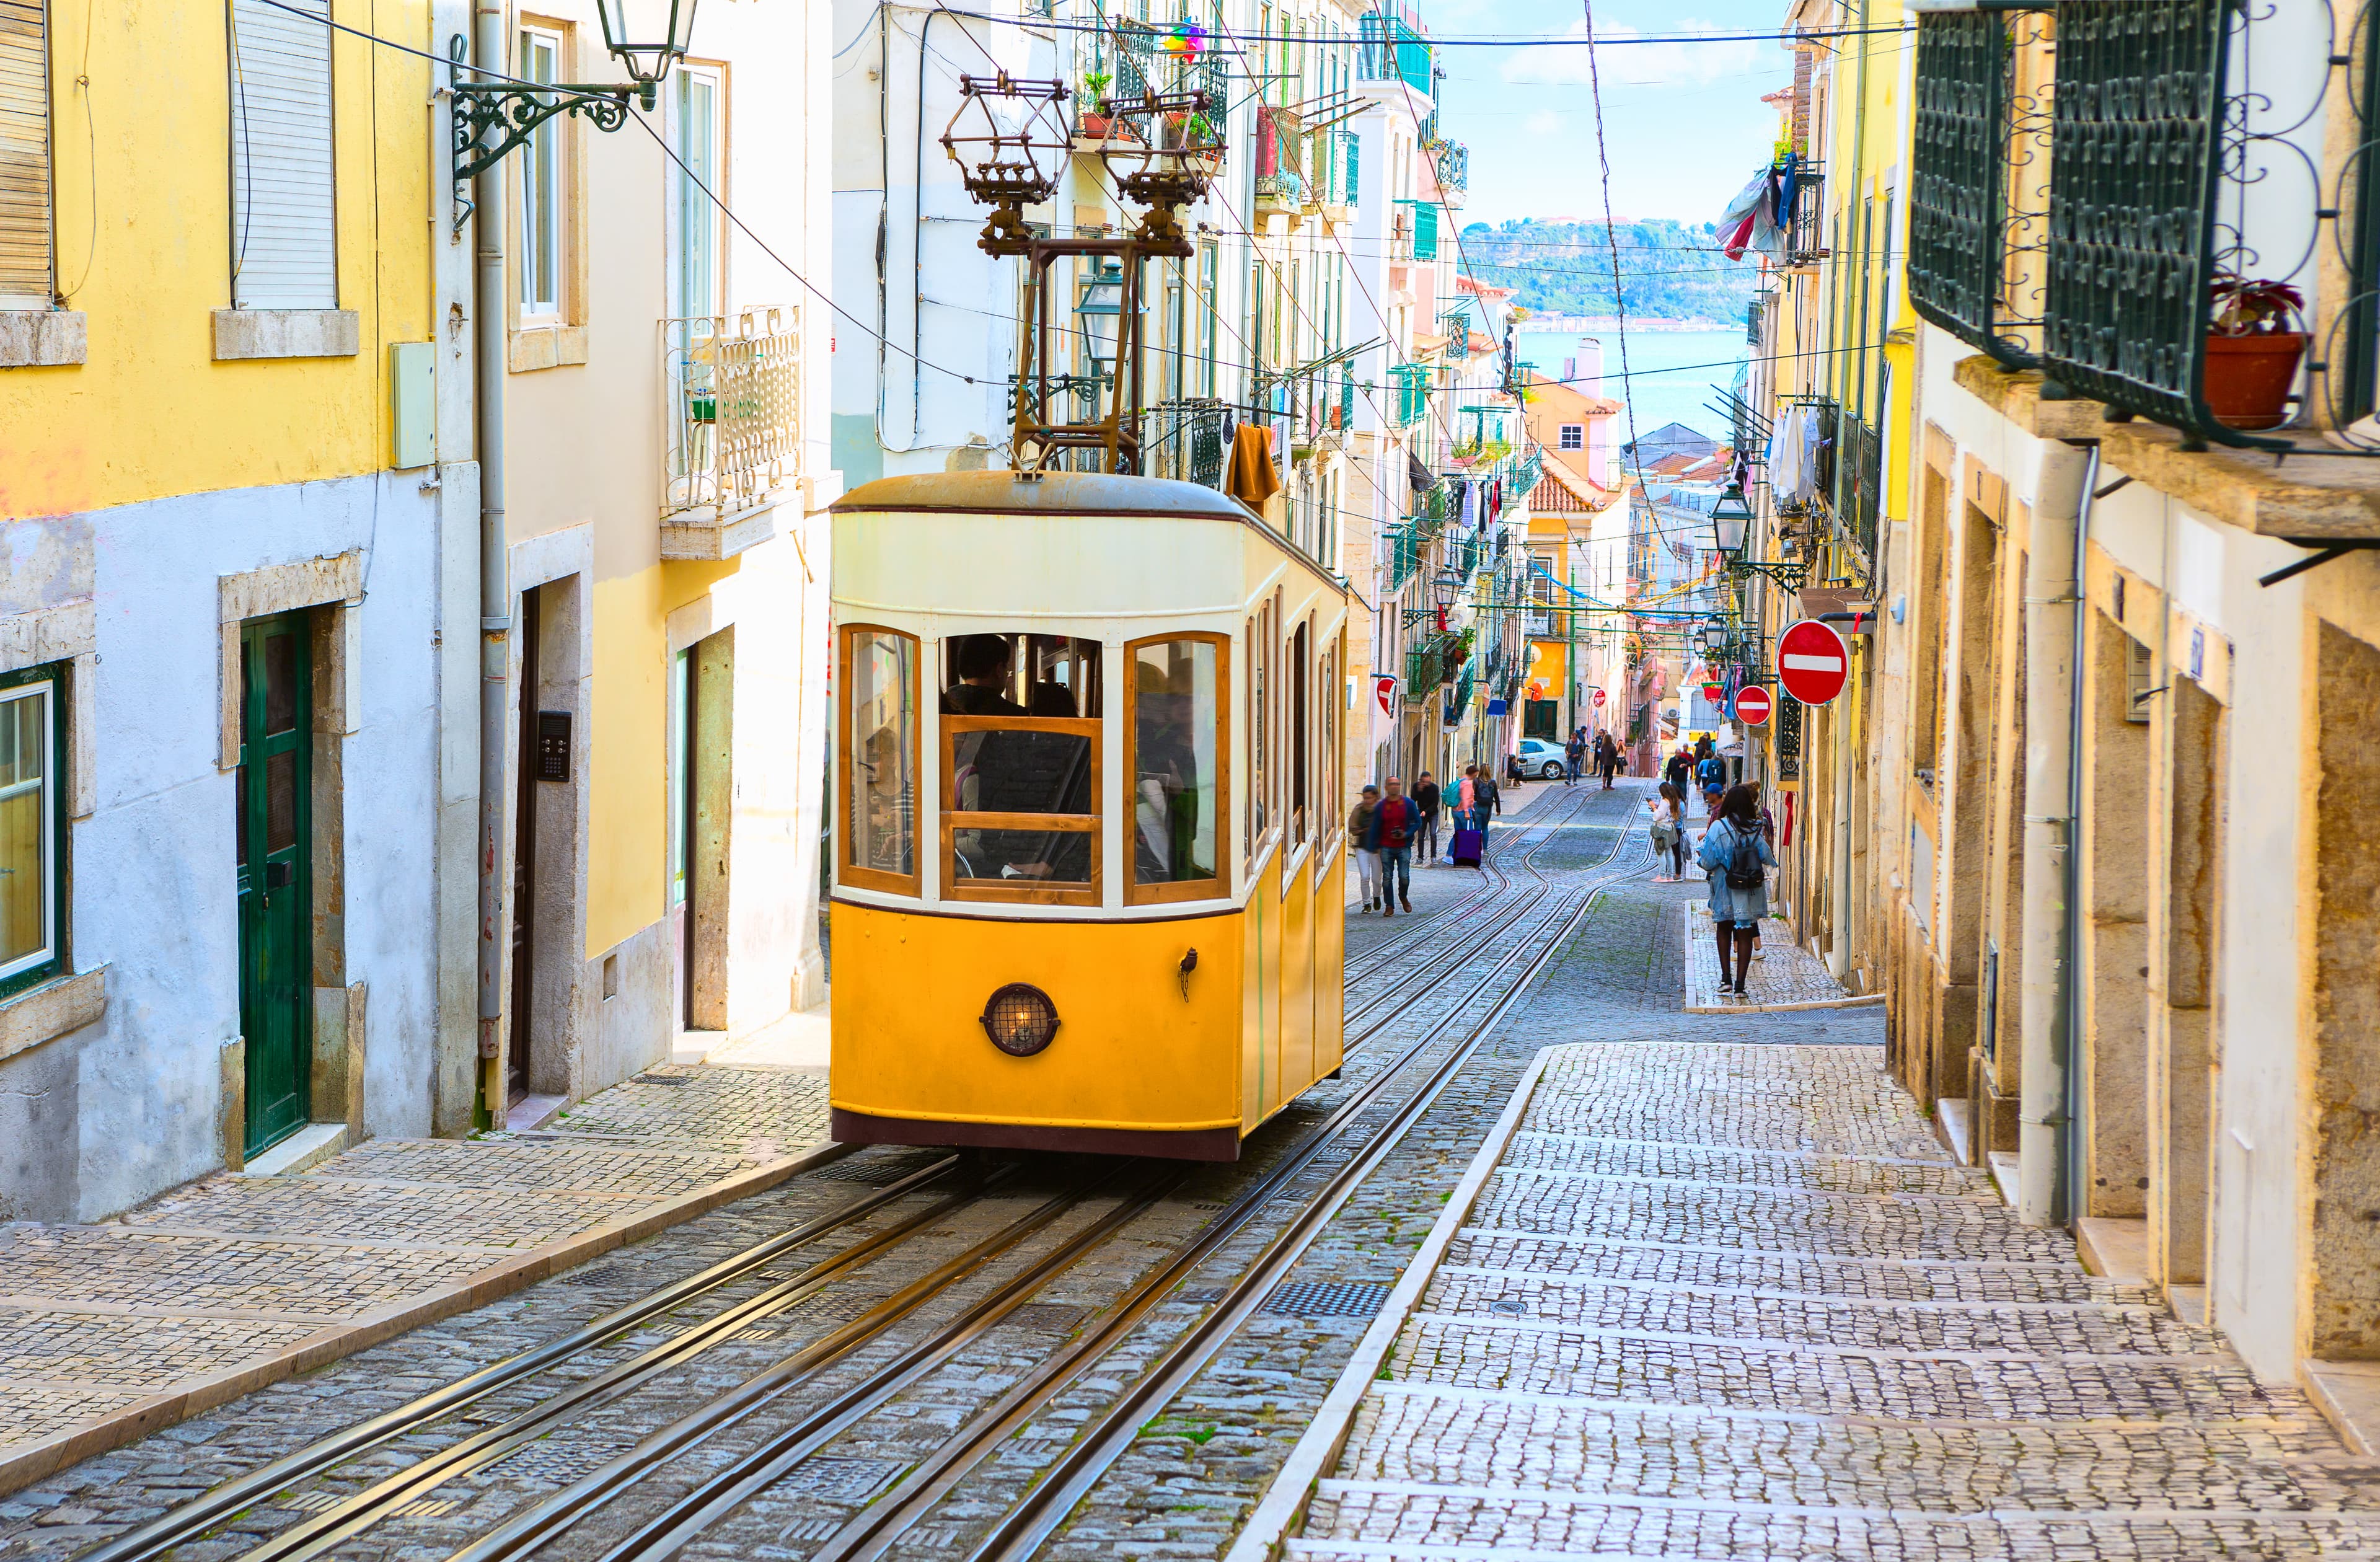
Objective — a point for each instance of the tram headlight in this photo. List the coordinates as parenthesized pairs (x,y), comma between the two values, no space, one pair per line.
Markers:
(1020,1020)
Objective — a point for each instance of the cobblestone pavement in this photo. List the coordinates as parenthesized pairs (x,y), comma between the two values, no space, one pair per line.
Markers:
(225,1284)
(1729,1301)
(1783,976)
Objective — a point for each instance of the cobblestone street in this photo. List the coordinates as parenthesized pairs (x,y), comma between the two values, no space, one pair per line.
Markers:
(1731,1301)
(113,1330)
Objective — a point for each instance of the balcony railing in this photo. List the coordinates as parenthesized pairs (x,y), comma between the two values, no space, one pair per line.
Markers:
(1805,224)
(1186,440)
(2161,165)
(1390,49)
(731,397)
(1411,381)
(1453,162)
(1278,181)
(1424,228)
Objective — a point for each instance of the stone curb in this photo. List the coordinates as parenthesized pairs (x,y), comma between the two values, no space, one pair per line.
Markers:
(41,1460)
(1283,1506)
(1688,941)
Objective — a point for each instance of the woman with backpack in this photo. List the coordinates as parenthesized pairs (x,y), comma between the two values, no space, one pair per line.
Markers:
(1737,859)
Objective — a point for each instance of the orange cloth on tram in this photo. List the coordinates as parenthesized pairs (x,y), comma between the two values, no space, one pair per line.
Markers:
(1253,479)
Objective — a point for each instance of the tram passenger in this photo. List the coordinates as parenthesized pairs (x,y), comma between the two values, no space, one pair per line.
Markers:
(983,663)
(1166,790)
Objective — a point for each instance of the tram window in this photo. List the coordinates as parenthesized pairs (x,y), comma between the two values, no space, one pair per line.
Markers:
(1328,695)
(1021,758)
(1301,803)
(995,675)
(1176,764)
(879,800)
(1259,729)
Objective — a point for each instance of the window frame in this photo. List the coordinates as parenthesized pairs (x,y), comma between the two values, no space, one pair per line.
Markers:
(1563,437)
(50,961)
(554,136)
(48,226)
(953,820)
(1220,886)
(238,230)
(845,874)
(687,198)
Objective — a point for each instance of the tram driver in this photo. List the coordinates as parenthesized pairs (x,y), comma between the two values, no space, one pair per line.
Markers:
(1014,771)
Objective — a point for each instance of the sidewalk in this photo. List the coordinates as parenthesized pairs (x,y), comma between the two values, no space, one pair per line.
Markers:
(1702,1300)
(108,1331)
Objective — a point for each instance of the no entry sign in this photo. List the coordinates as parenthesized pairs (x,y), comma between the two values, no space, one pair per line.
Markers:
(1599,699)
(1751,705)
(1811,661)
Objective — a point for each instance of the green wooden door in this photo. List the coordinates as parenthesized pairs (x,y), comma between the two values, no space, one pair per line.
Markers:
(276,998)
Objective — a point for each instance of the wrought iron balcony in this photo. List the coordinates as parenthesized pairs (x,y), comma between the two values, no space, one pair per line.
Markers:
(1412,385)
(1805,224)
(1186,439)
(730,399)
(2162,166)
(1453,162)
(1389,48)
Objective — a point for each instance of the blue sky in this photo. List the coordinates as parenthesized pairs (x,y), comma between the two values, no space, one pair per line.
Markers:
(1684,123)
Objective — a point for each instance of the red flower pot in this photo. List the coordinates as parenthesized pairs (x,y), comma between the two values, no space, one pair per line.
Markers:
(2247,378)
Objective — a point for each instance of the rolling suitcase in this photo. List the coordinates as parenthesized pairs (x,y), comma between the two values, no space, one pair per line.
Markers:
(1466,849)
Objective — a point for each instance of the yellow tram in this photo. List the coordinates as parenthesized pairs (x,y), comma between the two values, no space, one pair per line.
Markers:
(1089,853)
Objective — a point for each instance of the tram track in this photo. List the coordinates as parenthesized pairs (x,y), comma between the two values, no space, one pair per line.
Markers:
(962,1182)
(934,1479)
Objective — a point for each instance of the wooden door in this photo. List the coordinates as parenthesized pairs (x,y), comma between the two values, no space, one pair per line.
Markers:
(276,997)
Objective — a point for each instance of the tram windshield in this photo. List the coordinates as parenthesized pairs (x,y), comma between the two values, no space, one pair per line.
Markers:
(880,808)
(1020,723)
(1176,776)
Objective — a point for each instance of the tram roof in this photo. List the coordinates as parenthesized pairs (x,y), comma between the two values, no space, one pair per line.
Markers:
(1009,493)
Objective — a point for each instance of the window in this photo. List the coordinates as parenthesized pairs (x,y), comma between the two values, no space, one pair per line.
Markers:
(283,238)
(26,281)
(1574,436)
(539,59)
(1259,734)
(1175,759)
(880,776)
(1301,796)
(1330,696)
(1020,718)
(32,826)
(697,278)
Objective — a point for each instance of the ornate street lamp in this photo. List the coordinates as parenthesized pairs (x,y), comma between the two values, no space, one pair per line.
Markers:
(1447,586)
(492,117)
(646,37)
(1730,518)
(1101,308)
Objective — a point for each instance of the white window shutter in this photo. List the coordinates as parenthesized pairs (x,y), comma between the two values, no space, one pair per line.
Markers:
(25,233)
(284,239)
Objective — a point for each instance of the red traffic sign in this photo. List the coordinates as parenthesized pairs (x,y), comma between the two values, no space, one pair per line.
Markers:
(1811,661)
(1599,699)
(1751,705)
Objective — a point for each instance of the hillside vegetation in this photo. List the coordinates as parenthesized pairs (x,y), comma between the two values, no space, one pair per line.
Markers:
(1668,269)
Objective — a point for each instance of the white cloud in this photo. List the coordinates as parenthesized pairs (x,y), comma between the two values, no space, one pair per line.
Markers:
(1667,64)
(1545,122)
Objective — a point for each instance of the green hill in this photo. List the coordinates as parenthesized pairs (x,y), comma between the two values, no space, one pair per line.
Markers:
(1668,269)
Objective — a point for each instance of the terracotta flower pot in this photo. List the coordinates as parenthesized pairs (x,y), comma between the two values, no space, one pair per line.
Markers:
(1092,127)
(2247,378)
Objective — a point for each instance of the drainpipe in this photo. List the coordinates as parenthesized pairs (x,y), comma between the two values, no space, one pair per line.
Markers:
(495,587)
(2053,722)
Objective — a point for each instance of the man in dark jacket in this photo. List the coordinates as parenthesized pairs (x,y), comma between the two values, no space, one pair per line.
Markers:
(1576,751)
(1425,797)
(1489,800)
(1680,773)
(1395,823)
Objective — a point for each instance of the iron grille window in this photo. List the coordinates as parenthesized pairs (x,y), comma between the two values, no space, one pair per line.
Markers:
(2136,149)
(1956,199)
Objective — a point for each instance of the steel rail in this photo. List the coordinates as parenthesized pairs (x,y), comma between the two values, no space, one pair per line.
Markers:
(551,1516)
(1390,949)
(181,1523)
(924,1487)
(319,1536)
(1046,1507)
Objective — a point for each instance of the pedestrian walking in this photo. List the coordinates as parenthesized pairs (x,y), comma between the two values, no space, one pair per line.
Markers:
(1426,797)
(1576,751)
(1610,765)
(1736,861)
(1394,823)
(1669,832)
(1680,773)
(1489,804)
(1363,840)
(1712,775)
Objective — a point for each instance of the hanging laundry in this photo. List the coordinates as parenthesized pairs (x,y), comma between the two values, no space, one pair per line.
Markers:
(1738,222)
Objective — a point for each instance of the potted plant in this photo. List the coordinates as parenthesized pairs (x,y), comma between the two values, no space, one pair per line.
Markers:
(2252,351)
(1093,121)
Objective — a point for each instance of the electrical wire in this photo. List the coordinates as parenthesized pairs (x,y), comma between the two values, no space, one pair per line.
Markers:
(482,73)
